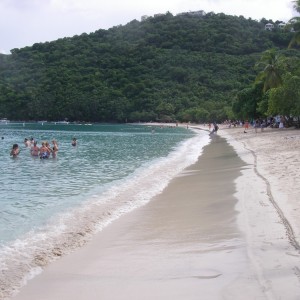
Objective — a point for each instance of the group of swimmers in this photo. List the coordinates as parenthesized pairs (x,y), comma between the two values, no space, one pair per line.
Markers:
(43,152)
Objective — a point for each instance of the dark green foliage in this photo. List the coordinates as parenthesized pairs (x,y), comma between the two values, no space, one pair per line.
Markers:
(167,68)
(246,102)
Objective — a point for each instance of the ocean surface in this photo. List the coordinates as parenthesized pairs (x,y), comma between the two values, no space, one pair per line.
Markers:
(50,207)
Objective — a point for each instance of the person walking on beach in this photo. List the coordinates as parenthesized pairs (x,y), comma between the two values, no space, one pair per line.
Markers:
(246,126)
(34,151)
(256,124)
(281,123)
(215,129)
(15,151)
(263,125)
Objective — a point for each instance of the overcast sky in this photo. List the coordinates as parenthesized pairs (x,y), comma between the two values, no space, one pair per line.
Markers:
(25,22)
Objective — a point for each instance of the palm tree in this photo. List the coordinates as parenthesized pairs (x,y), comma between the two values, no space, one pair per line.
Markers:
(294,24)
(270,64)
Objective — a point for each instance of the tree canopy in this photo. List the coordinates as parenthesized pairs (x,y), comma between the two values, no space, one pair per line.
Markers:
(165,68)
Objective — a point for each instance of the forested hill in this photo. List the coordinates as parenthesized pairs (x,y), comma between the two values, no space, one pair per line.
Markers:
(163,68)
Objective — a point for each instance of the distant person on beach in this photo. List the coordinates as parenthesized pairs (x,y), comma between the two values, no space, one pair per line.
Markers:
(256,124)
(74,142)
(54,148)
(263,125)
(15,150)
(246,126)
(34,151)
(215,129)
(281,123)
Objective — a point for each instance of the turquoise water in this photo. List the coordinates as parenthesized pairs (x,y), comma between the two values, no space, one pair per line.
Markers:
(49,207)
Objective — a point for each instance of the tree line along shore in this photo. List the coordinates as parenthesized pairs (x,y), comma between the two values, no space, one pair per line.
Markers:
(184,68)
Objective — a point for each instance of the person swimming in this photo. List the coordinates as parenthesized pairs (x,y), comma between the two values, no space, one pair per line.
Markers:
(27,142)
(44,151)
(15,150)
(34,151)
(54,149)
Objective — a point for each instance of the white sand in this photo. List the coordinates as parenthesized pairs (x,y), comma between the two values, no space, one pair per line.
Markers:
(269,201)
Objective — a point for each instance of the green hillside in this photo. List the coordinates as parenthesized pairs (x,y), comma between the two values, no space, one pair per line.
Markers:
(163,68)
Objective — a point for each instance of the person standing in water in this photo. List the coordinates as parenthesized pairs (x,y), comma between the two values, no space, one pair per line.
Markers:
(27,142)
(54,149)
(34,151)
(44,151)
(74,142)
(15,150)
(49,148)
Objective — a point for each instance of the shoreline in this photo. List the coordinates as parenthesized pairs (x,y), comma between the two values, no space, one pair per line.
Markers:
(71,228)
(259,260)
(183,243)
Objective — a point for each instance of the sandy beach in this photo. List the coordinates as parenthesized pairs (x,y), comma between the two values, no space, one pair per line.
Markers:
(268,193)
(225,228)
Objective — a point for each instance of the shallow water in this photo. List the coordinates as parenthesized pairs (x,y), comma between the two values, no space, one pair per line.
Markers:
(48,207)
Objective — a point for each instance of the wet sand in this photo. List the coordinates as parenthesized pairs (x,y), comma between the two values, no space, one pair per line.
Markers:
(184,244)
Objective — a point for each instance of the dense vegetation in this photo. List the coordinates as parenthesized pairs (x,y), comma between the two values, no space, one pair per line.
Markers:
(185,68)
